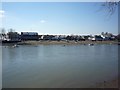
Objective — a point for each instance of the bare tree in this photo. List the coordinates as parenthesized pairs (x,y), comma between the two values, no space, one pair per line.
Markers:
(2,33)
(11,30)
(13,35)
(109,6)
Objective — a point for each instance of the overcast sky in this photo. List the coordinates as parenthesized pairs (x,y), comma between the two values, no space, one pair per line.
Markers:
(58,18)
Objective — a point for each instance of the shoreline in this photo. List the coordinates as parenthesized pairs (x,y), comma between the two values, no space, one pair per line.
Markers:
(65,42)
(62,43)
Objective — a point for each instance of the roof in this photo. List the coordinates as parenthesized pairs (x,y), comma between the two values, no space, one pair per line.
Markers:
(29,33)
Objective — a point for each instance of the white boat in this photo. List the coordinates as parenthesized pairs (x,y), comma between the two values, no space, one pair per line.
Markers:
(15,46)
(91,44)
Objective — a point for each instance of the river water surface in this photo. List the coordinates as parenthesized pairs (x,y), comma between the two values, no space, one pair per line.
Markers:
(58,66)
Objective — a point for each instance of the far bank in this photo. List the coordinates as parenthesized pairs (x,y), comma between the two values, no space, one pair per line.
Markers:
(65,42)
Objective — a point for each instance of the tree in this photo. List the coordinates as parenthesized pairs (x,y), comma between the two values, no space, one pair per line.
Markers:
(11,30)
(12,34)
(2,33)
(110,6)
(102,33)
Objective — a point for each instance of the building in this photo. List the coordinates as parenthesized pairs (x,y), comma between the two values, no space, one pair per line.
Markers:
(98,38)
(95,38)
(29,36)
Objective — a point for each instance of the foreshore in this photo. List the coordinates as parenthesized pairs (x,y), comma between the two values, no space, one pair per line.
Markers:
(65,42)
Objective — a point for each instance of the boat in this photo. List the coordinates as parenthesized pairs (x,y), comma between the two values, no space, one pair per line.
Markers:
(91,44)
(15,46)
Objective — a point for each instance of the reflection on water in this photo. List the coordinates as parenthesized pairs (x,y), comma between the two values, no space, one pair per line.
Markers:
(55,66)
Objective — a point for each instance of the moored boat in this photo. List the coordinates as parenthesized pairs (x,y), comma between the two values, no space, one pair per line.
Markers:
(91,44)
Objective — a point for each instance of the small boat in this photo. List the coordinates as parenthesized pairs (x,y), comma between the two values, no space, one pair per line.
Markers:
(91,44)
(15,46)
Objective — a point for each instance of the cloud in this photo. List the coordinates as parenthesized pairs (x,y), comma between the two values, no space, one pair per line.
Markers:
(42,21)
(2,13)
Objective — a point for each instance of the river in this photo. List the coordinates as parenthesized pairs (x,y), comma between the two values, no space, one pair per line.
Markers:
(58,66)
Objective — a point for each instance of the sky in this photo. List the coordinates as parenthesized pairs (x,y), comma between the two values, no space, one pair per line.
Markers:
(58,17)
